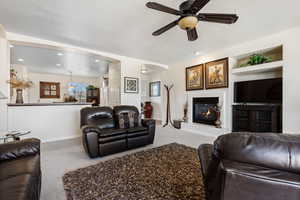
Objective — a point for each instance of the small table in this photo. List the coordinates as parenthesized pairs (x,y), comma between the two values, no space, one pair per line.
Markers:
(14,135)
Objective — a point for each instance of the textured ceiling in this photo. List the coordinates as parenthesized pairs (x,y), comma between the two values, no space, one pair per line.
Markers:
(124,26)
(44,60)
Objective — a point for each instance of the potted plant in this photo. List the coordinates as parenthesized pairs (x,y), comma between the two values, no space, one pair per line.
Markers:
(257,59)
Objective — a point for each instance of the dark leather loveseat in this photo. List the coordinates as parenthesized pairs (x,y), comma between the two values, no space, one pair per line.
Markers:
(252,166)
(20,172)
(102,135)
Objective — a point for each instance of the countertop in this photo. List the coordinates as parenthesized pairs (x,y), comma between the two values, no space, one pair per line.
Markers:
(49,104)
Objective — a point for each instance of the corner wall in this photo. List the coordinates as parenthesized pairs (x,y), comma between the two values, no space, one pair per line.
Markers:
(4,76)
(131,68)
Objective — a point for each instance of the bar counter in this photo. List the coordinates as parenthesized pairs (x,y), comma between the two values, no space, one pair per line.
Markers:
(49,104)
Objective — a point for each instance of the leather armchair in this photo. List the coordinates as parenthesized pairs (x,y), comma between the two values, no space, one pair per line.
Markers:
(20,171)
(252,166)
(102,135)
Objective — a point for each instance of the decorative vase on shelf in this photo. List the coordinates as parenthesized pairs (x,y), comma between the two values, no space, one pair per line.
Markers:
(148,109)
(19,99)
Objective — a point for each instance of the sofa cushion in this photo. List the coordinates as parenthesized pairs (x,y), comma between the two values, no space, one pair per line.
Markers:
(279,151)
(111,132)
(101,117)
(25,165)
(136,129)
(248,182)
(112,138)
(128,120)
(121,110)
(264,173)
(137,134)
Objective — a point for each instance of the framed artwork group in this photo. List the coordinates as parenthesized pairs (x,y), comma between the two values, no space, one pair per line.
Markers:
(210,75)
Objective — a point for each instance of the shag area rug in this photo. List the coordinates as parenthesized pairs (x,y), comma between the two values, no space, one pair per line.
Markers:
(170,172)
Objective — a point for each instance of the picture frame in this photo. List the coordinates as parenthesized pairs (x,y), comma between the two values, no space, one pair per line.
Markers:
(49,90)
(131,85)
(216,74)
(194,77)
(154,89)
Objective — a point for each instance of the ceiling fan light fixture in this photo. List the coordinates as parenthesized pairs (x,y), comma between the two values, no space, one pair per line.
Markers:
(188,23)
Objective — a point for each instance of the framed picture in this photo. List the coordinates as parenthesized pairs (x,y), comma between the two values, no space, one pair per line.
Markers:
(154,89)
(49,90)
(216,74)
(194,77)
(131,85)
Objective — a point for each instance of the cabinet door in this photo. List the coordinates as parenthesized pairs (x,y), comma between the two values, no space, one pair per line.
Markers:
(240,120)
(95,93)
(261,121)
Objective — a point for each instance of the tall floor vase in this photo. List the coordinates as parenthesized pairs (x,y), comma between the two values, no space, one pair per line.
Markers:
(148,109)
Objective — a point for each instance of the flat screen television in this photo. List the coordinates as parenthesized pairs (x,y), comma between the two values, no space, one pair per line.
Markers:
(258,91)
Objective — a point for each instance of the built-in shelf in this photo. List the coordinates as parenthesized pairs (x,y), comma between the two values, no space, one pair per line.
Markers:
(275,53)
(262,68)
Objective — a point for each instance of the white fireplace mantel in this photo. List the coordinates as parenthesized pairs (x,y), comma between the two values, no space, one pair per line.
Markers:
(203,129)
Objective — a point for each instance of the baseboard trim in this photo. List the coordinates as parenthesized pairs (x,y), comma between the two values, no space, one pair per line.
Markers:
(213,136)
(61,139)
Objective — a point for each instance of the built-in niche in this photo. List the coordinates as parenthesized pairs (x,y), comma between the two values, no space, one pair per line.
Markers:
(268,55)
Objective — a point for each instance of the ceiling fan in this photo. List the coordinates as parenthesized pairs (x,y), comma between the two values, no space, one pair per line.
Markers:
(188,17)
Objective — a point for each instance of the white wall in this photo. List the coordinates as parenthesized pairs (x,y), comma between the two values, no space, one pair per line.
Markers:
(4,76)
(114,84)
(131,68)
(291,100)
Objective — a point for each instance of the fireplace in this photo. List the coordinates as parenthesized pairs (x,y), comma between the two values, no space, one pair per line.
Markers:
(204,110)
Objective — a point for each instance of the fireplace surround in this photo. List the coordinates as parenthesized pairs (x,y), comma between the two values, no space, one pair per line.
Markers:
(203,110)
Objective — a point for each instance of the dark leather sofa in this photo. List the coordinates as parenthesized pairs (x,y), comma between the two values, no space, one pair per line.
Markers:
(102,135)
(252,166)
(20,172)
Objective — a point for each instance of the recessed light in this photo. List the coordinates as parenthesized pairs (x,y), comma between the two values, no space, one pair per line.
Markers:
(97,60)
(197,53)
(60,54)
(21,60)
(11,46)
(58,65)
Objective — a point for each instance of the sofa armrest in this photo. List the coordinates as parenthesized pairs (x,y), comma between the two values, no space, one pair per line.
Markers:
(205,155)
(17,149)
(90,136)
(150,124)
(90,128)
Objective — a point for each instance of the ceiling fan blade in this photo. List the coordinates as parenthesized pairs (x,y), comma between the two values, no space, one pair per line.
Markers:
(218,18)
(165,28)
(192,34)
(162,8)
(198,5)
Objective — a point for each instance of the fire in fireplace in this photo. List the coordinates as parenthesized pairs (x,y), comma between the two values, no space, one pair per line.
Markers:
(204,110)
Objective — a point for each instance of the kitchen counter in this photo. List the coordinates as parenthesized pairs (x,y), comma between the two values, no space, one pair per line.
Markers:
(49,104)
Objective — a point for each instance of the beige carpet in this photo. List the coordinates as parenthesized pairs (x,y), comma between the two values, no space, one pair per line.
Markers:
(165,173)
